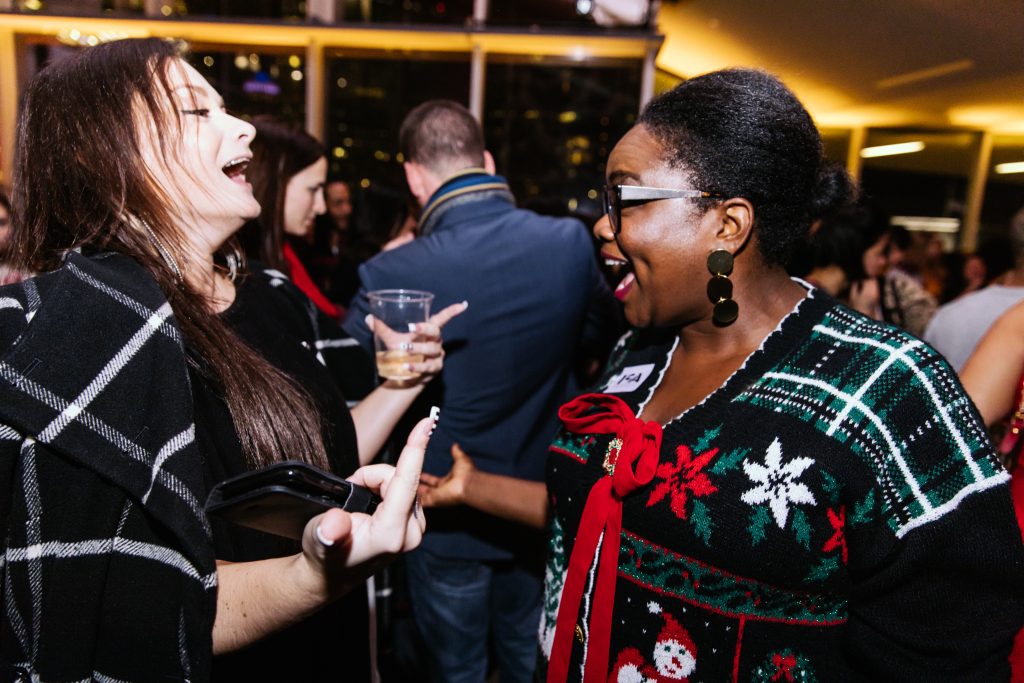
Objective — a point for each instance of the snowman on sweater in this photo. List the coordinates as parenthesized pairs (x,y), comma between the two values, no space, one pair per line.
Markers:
(675,656)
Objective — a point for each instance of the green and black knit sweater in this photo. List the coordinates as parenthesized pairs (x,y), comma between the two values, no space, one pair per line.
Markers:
(834,512)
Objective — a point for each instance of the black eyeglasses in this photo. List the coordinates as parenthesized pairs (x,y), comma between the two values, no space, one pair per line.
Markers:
(616,196)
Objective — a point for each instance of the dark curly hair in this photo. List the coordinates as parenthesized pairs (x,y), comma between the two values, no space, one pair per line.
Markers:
(742,133)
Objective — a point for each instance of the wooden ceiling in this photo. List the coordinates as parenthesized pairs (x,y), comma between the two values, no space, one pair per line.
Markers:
(892,63)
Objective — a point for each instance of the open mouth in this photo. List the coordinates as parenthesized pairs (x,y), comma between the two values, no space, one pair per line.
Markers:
(620,268)
(235,169)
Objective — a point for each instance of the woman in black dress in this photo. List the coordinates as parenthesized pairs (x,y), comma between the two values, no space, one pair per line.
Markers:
(136,372)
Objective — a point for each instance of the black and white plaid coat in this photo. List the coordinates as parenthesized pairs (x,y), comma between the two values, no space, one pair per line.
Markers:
(108,568)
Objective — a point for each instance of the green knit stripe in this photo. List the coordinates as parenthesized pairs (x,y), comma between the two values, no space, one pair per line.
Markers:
(659,569)
(576,446)
(882,394)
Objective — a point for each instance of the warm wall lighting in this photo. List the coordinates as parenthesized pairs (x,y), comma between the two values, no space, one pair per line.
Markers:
(889,150)
(1011,167)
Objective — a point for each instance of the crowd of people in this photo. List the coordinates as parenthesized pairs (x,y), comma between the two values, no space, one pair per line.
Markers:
(720,451)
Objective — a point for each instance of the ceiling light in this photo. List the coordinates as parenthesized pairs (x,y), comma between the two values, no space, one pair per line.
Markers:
(889,150)
(1011,167)
(926,74)
(927,223)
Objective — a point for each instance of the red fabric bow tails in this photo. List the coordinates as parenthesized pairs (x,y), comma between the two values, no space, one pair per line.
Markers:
(630,462)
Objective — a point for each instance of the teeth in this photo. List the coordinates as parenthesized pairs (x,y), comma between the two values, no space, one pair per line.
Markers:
(235,165)
(613,262)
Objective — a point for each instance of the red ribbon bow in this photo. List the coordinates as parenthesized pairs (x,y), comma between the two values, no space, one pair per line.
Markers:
(631,467)
(783,666)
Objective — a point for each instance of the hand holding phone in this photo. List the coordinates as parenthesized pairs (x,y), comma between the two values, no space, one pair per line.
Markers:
(281,498)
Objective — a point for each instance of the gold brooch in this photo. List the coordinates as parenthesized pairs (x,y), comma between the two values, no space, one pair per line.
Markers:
(609,462)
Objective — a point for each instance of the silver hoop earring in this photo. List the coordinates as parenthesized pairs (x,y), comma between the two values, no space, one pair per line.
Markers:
(234,259)
(165,254)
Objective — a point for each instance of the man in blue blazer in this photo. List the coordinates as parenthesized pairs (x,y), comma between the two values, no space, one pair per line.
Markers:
(537,306)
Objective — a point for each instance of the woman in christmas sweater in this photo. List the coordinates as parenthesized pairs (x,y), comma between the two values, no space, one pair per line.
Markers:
(764,485)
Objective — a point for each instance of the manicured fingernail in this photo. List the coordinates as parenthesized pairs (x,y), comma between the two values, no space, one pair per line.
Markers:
(368,320)
(405,346)
(412,327)
(320,537)
(465,304)
(435,414)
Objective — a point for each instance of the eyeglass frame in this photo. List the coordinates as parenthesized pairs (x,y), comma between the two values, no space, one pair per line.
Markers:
(642,195)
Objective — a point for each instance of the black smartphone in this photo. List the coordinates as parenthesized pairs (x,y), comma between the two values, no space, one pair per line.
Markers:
(282,497)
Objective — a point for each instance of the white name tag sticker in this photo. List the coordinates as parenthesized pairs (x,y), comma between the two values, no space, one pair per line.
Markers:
(629,379)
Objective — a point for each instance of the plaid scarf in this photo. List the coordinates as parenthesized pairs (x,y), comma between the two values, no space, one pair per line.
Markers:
(107,564)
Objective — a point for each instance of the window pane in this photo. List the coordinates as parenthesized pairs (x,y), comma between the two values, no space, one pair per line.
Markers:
(1004,191)
(551,126)
(929,182)
(253,83)
(578,14)
(81,7)
(264,9)
(368,95)
(407,11)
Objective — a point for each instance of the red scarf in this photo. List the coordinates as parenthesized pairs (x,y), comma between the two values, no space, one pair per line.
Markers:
(300,277)
(630,462)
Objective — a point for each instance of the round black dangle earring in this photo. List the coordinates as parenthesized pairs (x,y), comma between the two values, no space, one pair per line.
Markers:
(720,287)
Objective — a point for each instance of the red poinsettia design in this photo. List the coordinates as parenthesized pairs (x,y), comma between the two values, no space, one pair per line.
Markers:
(838,538)
(682,478)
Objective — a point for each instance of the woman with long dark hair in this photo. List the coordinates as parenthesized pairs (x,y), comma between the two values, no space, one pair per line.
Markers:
(287,171)
(134,374)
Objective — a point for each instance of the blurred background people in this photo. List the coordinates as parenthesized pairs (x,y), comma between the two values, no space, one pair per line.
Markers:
(338,197)
(537,303)
(387,218)
(958,326)
(8,274)
(889,292)
(993,376)
(287,172)
(832,257)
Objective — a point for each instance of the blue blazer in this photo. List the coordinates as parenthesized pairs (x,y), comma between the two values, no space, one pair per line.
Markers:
(536,302)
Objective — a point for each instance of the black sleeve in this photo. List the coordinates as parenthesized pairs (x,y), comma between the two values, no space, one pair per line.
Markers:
(945,601)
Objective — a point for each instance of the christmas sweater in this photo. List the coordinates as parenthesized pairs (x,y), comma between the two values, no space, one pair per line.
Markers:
(834,511)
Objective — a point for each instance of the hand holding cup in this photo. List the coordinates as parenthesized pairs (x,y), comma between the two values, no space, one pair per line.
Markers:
(407,340)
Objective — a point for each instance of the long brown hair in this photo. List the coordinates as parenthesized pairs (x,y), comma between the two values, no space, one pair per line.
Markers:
(279,151)
(80,181)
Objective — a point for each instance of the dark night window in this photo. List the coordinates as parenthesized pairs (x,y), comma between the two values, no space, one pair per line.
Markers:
(368,95)
(253,83)
(551,125)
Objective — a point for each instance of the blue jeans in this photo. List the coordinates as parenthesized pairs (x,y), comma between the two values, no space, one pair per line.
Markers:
(456,603)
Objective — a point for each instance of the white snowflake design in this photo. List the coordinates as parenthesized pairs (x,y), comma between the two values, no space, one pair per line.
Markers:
(776,483)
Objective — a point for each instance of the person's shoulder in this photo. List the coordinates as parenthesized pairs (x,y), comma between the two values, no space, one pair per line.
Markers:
(844,326)
(980,297)
(902,408)
(270,287)
(263,275)
(948,314)
(16,310)
(564,225)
